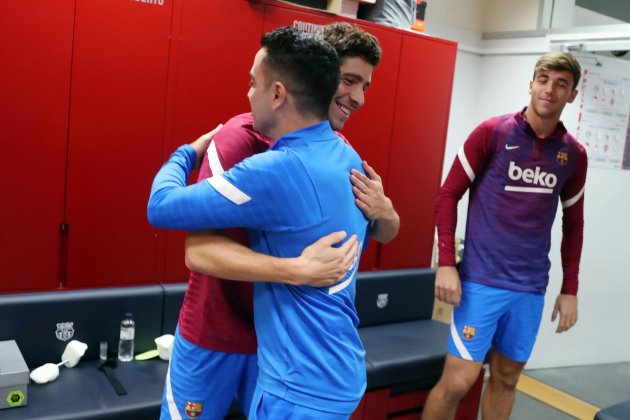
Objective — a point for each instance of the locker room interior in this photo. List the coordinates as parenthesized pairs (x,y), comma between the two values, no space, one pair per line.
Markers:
(96,95)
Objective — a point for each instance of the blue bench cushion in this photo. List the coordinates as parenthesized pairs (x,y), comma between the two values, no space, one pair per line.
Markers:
(403,345)
(406,352)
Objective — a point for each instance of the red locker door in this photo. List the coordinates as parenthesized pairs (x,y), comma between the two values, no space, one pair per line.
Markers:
(369,130)
(423,99)
(210,63)
(119,76)
(36,48)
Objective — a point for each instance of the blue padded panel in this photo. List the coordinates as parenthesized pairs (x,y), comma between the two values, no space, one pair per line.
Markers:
(31,320)
(409,295)
(173,299)
(406,352)
(619,411)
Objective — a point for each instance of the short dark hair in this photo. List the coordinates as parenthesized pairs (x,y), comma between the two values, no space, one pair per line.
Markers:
(560,61)
(352,41)
(307,65)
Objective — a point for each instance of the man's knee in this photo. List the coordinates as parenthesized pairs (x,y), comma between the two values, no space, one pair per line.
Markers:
(505,372)
(458,377)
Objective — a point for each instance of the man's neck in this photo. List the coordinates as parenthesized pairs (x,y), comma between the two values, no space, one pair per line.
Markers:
(290,123)
(542,127)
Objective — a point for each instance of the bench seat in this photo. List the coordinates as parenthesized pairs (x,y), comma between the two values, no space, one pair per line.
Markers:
(411,352)
(84,392)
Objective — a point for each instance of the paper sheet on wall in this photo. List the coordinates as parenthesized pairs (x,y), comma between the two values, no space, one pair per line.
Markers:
(603,121)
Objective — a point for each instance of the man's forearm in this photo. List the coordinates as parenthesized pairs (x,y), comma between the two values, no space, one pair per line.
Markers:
(320,264)
(219,256)
(385,229)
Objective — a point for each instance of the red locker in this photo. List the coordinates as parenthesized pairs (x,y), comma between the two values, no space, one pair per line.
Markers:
(119,75)
(423,101)
(209,75)
(36,48)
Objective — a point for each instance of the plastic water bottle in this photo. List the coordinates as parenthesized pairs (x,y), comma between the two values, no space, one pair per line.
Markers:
(127,334)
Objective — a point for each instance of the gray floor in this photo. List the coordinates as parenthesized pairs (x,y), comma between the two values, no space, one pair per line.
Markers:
(599,385)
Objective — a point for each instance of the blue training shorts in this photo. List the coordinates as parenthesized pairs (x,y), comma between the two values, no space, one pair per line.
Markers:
(203,383)
(507,320)
(266,406)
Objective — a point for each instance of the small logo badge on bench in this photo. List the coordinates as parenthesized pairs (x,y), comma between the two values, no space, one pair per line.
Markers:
(381,300)
(65,331)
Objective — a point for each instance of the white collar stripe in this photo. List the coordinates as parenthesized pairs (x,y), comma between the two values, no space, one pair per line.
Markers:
(228,190)
(462,159)
(572,201)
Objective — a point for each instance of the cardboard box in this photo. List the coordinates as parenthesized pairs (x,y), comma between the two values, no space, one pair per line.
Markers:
(347,8)
(442,311)
(13,376)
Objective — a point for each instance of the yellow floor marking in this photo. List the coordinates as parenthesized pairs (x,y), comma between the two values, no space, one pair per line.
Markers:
(557,399)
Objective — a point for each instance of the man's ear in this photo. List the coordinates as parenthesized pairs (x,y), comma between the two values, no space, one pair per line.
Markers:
(280,93)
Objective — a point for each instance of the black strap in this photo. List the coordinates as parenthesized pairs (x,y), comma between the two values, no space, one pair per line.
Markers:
(111,376)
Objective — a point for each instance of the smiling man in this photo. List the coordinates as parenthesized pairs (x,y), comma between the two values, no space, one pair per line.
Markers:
(517,167)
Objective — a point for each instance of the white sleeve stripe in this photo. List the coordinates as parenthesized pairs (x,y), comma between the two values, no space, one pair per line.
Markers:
(573,200)
(462,159)
(228,190)
(213,159)
(463,351)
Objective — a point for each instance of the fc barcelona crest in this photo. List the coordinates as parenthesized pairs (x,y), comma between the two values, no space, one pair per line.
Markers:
(468,332)
(65,331)
(562,158)
(193,409)
(381,300)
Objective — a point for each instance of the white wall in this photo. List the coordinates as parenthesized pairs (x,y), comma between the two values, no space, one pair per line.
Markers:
(502,16)
(487,85)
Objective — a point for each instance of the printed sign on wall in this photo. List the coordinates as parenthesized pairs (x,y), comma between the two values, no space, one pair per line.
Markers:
(604,111)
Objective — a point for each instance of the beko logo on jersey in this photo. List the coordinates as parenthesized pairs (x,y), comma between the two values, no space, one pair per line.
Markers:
(543,182)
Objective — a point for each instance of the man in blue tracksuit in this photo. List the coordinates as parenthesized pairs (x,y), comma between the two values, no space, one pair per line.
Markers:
(311,359)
